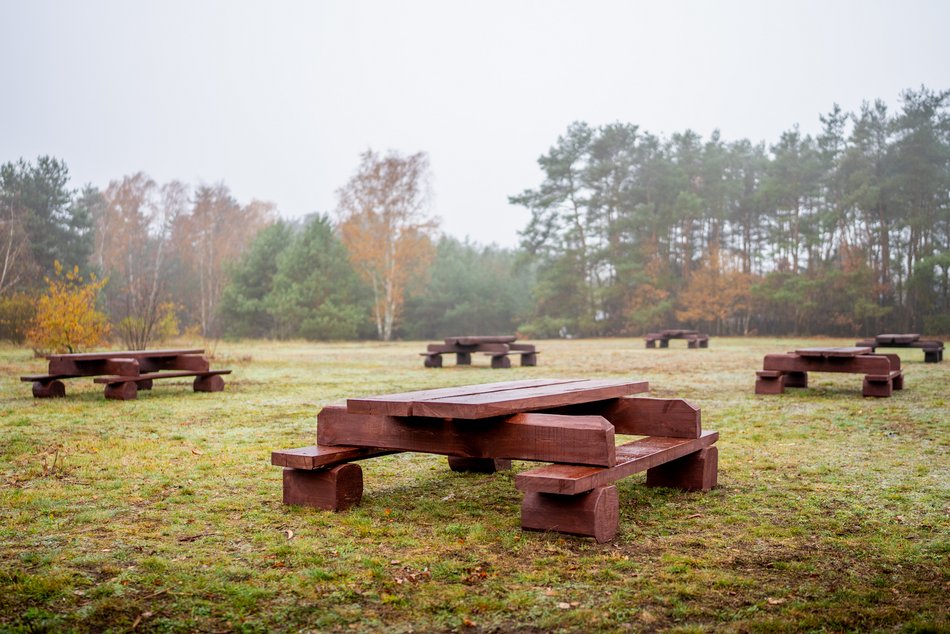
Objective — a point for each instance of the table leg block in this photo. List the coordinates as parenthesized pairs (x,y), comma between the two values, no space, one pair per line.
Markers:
(530,359)
(500,362)
(664,343)
(433,361)
(127,391)
(796,379)
(898,382)
(213,383)
(334,489)
(48,389)
(478,465)
(651,344)
(879,389)
(770,385)
(463,358)
(697,471)
(144,385)
(692,344)
(592,514)
(704,343)
(932,356)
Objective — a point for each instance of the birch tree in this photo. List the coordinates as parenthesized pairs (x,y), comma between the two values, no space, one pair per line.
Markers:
(386,228)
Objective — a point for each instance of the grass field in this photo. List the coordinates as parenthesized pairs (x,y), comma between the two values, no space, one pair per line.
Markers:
(164,514)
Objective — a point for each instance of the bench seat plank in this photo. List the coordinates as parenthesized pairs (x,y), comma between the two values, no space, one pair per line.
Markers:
(632,457)
(155,375)
(316,457)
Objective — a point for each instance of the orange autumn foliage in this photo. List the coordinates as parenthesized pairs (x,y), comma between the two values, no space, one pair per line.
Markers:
(66,317)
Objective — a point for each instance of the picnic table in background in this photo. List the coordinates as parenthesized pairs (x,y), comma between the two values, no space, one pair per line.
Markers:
(694,338)
(882,371)
(568,422)
(499,347)
(126,372)
(933,348)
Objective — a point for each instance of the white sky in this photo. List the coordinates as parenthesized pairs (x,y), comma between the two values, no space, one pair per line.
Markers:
(278,99)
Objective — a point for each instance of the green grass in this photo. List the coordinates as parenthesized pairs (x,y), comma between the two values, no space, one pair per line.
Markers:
(164,514)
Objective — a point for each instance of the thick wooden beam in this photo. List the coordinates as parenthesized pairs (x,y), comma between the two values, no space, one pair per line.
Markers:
(316,457)
(49,389)
(861,364)
(335,489)
(543,437)
(632,457)
(594,514)
(644,416)
(698,471)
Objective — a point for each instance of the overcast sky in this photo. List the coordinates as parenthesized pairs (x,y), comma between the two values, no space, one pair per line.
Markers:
(278,99)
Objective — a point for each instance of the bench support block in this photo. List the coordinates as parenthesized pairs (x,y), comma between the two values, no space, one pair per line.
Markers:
(478,465)
(593,514)
(125,391)
(697,471)
(335,489)
(212,383)
(529,359)
(463,358)
(433,361)
(49,389)
(500,362)
(876,388)
(769,384)
(144,384)
(796,379)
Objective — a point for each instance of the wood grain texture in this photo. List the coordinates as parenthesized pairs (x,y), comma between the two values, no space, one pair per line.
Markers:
(643,416)
(335,489)
(698,471)
(840,351)
(632,457)
(542,437)
(156,375)
(401,404)
(861,364)
(592,514)
(315,457)
(125,391)
(526,399)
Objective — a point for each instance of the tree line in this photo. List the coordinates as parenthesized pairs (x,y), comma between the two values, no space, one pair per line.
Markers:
(843,233)
(846,232)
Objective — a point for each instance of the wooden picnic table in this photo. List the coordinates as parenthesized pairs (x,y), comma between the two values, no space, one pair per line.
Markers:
(882,371)
(694,338)
(498,347)
(933,348)
(125,372)
(568,422)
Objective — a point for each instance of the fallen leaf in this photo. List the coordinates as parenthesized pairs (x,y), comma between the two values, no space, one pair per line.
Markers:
(564,606)
(393,562)
(549,592)
(197,452)
(773,601)
(899,518)
(289,533)
(694,516)
(448,497)
(647,617)
(468,622)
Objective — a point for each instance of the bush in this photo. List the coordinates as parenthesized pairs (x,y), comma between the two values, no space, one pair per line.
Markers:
(16,316)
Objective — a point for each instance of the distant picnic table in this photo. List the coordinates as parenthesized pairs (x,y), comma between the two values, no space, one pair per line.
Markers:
(126,372)
(882,372)
(498,347)
(568,422)
(694,338)
(933,348)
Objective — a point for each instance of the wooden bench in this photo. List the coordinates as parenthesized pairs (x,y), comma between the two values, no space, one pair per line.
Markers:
(882,371)
(694,338)
(569,422)
(499,348)
(125,388)
(933,348)
(126,372)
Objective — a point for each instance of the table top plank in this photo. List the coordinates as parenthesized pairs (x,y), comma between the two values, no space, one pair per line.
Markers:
(122,354)
(524,399)
(401,404)
(843,351)
(475,340)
